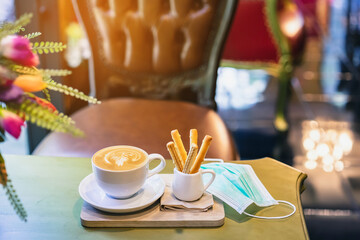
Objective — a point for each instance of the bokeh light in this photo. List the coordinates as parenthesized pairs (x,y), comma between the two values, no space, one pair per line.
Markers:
(308,144)
(310,164)
(326,143)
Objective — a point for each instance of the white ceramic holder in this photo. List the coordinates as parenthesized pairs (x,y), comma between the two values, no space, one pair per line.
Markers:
(190,187)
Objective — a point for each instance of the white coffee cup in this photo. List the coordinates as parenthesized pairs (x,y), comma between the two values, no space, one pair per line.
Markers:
(190,187)
(125,183)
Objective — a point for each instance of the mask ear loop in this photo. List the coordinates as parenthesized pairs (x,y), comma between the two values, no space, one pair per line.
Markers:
(278,217)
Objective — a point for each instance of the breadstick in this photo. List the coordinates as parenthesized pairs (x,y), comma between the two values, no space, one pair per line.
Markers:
(191,158)
(193,136)
(202,152)
(179,145)
(174,155)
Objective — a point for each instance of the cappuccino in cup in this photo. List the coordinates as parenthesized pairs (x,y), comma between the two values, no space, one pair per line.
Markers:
(121,171)
(119,158)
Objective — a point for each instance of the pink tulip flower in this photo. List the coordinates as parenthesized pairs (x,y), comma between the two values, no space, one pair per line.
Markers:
(11,123)
(18,49)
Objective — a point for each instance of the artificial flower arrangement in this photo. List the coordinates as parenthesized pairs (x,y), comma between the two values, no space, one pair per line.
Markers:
(19,79)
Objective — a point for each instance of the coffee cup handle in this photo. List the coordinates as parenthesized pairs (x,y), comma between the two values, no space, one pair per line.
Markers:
(212,177)
(159,167)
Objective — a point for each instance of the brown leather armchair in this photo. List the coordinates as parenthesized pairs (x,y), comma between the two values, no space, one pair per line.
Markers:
(154,66)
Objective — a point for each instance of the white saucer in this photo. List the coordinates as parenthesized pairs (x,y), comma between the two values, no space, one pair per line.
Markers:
(91,193)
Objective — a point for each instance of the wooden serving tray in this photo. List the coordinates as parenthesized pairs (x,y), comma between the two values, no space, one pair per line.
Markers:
(153,217)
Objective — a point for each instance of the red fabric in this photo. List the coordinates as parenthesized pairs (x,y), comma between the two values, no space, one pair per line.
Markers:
(249,38)
(308,7)
(316,14)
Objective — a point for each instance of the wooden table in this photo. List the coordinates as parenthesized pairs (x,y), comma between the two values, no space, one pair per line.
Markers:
(48,188)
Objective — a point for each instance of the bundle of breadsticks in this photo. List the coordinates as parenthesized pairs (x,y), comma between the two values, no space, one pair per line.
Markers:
(188,162)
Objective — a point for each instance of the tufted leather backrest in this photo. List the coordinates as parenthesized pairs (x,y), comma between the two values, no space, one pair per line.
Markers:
(156,48)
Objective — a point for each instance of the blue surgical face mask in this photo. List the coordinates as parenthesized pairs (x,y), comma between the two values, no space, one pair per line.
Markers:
(238,186)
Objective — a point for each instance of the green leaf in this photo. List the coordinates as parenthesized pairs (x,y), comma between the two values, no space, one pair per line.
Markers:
(52,85)
(34,71)
(55,72)
(46,47)
(32,35)
(10,191)
(25,70)
(8,28)
(45,117)
(47,94)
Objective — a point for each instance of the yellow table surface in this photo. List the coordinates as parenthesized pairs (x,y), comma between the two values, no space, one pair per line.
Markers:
(48,188)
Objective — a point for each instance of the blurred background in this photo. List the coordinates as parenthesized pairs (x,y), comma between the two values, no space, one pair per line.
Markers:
(323,105)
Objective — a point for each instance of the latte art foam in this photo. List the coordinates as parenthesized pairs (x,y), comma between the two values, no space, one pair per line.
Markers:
(119,158)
